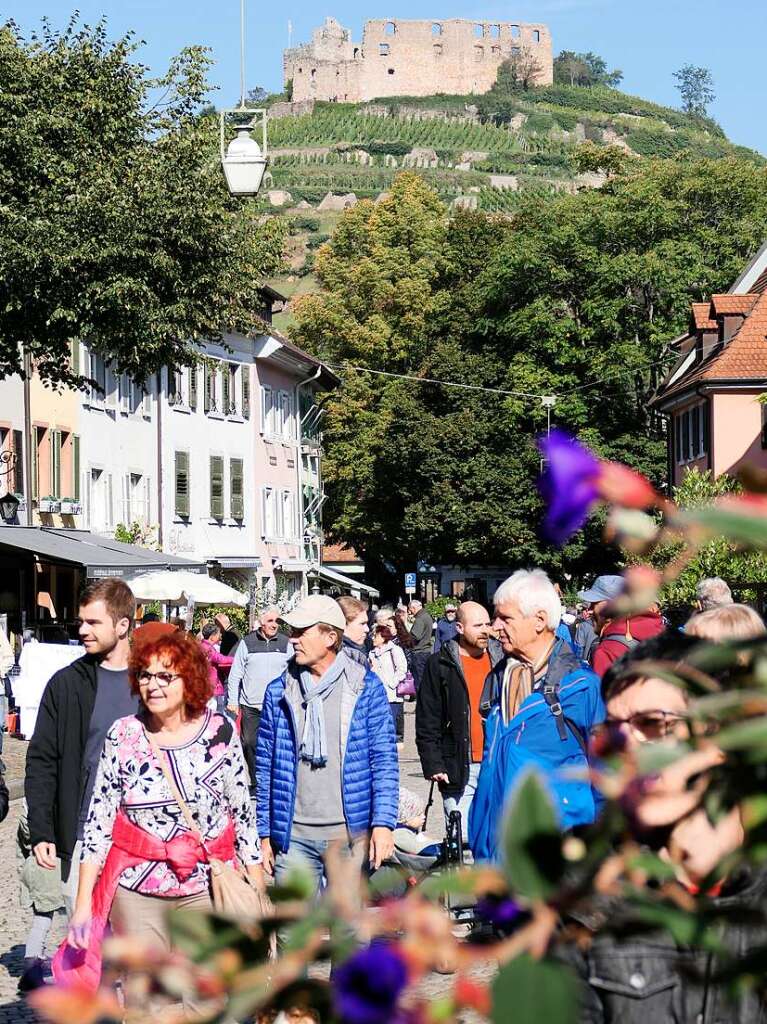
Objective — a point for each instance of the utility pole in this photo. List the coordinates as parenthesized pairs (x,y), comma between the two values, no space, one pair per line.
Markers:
(28,440)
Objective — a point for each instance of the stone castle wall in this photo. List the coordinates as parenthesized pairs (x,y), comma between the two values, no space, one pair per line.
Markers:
(411,58)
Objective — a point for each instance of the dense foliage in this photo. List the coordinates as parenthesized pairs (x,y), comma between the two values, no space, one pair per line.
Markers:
(115,219)
(587,69)
(576,296)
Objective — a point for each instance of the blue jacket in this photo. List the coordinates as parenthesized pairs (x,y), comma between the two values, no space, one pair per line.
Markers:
(446,631)
(370,768)
(534,739)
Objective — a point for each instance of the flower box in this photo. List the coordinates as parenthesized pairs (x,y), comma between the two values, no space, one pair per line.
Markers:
(49,505)
(70,507)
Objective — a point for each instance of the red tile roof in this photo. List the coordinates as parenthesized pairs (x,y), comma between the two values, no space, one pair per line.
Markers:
(339,553)
(726,304)
(701,314)
(743,357)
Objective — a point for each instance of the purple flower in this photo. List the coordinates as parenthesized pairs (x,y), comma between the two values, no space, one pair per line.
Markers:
(502,914)
(367,986)
(568,484)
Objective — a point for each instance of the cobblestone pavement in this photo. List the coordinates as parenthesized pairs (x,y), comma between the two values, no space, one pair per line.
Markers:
(14,921)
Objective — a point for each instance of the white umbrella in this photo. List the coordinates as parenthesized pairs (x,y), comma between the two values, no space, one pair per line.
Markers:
(185,588)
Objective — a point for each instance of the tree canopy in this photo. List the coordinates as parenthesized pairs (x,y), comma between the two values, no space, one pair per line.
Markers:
(587,69)
(696,87)
(576,296)
(115,220)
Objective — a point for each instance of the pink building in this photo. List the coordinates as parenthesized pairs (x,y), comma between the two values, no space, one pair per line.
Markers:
(711,396)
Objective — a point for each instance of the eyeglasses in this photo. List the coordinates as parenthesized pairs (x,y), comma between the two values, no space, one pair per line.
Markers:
(163,678)
(648,726)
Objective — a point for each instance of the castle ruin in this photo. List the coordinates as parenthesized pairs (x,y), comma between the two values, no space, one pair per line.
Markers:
(411,58)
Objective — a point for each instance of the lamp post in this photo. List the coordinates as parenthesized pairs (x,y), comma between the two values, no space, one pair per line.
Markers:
(243,160)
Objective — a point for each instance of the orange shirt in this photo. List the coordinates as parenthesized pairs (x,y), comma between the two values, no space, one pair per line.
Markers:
(475,672)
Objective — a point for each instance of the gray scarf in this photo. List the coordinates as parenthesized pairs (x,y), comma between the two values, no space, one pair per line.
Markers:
(314,744)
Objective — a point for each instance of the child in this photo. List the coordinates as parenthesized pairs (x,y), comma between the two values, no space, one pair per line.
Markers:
(40,891)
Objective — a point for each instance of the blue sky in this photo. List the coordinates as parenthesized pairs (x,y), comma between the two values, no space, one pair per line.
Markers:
(647,40)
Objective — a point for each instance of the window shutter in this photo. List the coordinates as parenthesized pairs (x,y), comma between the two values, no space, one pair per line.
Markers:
(75,467)
(208,389)
(236,497)
(74,347)
(245,380)
(126,502)
(267,411)
(182,483)
(267,513)
(192,387)
(216,487)
(18,466)
(147,499)
(110,503)
(172,389)
(685,435)
(706,416)
(55,481)
(225,392)
(35,460)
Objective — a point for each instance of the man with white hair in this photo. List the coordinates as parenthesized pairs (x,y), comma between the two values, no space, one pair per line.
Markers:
(421,633)
(541,703)
(261,656)
(712,593)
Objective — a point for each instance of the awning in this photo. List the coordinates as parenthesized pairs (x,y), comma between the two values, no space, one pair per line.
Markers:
(236,561)
(294,565)
(338,577)
(99,556)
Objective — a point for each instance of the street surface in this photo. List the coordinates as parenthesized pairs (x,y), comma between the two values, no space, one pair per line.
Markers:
(14,922)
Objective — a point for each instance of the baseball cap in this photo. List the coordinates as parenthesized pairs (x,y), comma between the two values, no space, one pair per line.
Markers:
(604,588)
(313,609)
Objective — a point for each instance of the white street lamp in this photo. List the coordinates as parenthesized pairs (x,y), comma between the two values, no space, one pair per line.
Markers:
(243,160)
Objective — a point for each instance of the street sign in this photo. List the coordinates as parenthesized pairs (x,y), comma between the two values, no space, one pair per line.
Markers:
(410,582)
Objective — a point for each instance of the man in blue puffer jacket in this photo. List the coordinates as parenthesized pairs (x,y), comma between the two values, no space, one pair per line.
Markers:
(540,705)
(326,754)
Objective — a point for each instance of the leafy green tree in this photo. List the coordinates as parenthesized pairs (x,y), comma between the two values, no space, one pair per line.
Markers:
(576,296)
(115,219)
(587,69)
(696,87)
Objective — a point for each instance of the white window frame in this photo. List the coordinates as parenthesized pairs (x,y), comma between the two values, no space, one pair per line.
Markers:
(694,452)
(268,517)
(267,411)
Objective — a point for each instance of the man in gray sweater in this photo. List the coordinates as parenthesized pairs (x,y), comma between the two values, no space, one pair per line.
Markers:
(421,633)
(260,657)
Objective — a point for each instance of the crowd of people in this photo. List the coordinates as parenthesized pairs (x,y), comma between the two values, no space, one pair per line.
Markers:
(158,749)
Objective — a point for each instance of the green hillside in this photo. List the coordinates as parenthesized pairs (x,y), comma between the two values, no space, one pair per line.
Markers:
(478,151)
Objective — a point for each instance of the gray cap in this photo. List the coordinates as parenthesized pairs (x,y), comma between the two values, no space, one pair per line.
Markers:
(604,588)
(313,609)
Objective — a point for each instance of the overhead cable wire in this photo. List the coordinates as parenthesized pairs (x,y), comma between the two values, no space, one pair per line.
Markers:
(434,380)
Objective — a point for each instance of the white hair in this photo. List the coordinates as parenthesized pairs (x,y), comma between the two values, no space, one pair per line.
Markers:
(384,613)
(534,592)
(713,593)
(415,603)
(271,609)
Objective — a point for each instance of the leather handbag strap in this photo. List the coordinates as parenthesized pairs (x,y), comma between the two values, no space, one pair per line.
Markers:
(193,826)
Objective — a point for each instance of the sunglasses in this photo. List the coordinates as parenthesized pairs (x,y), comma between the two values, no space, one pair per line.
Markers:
(648,726)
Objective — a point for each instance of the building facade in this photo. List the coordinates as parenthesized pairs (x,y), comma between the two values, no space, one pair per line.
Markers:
(711,398)
(397,57)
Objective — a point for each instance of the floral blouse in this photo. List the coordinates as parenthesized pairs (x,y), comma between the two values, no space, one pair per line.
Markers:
(211,774)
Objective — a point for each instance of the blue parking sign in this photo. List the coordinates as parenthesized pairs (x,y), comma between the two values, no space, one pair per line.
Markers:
(409,581)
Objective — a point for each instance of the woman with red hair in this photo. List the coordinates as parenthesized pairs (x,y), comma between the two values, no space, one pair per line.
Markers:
(140,856)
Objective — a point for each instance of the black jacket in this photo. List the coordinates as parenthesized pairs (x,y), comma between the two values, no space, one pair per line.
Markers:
(642,977)
(442,716)
(4,797)
(54,778)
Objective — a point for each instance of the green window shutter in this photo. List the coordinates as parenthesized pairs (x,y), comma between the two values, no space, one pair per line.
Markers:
(236,497)
(18,466)
(192,387)
(182,483)
(208,389)
(35,460)
(75,467)
(245,371)
(74,347)
(216,487)
(225,391)
(54,438)
(172,386)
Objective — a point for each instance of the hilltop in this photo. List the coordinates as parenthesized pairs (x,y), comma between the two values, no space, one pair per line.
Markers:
(475,151)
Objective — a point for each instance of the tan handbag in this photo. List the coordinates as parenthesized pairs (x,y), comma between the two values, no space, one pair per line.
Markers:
(232,892)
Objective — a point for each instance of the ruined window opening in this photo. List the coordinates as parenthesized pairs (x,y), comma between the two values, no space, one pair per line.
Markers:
(495,31)
(479,31)
(437,49)
(300,71)
(436,29)
(390,71)
(515,51)
(390,28)
(479,53)
(383,49)
(496,51)
(356,52)
(314,72)
(515,31)
(536,36)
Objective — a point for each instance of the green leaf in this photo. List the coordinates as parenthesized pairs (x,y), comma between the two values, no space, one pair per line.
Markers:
(297,884)
(532,842)
(654,866)
(527,991)
(745,735)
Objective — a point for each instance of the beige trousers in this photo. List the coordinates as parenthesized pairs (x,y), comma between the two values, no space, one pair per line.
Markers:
(144,917)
